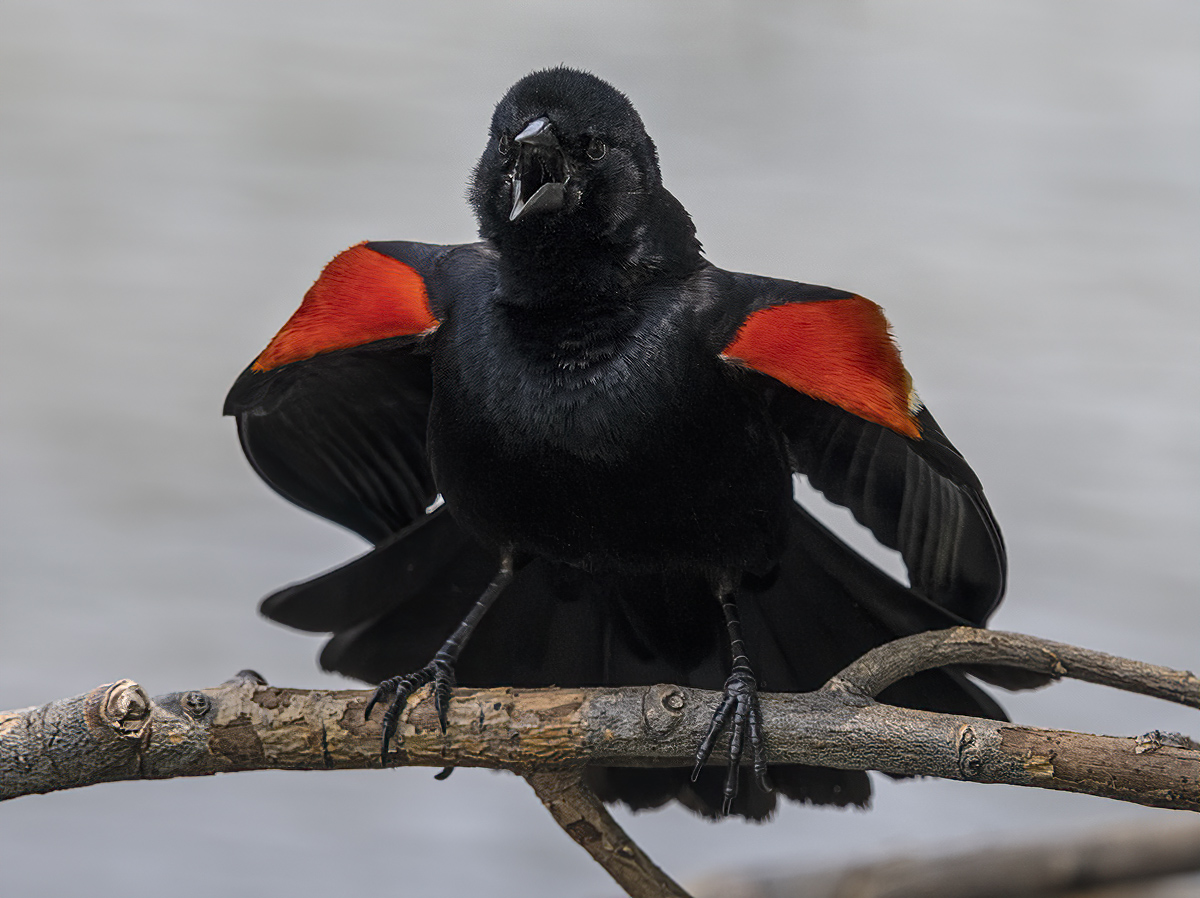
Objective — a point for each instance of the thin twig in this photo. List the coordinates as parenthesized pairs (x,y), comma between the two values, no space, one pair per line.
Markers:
(578,811)
(883,666)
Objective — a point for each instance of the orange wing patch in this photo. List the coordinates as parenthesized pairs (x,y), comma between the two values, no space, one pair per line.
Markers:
(361,296)
(837,350)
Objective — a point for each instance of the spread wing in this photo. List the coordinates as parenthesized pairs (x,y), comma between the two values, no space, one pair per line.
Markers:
(855,427)
(333,413)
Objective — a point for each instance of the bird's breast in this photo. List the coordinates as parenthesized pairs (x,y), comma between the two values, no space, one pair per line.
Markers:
(626,450)
(587,386)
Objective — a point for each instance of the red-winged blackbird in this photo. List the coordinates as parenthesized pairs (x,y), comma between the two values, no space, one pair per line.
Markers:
(613,424)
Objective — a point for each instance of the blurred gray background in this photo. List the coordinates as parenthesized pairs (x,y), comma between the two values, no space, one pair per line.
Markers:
(1014,181)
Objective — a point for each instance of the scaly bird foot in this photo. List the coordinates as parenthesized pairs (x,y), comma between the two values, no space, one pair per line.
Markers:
(438,671)
(739,704)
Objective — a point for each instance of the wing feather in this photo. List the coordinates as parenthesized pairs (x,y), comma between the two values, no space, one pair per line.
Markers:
(826,363)
(333,414)
(916,496)
(343,435)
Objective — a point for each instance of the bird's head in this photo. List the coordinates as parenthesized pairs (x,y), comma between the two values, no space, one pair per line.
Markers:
(568,161)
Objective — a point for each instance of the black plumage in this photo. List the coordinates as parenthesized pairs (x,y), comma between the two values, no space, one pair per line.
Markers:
(603,411)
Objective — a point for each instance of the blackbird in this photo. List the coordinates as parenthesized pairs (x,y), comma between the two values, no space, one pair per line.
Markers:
(573,445)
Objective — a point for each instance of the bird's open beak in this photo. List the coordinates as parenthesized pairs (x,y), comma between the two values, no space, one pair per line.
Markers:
(540,176)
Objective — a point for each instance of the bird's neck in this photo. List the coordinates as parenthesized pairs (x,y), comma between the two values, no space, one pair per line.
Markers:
(582,266)
(549,275)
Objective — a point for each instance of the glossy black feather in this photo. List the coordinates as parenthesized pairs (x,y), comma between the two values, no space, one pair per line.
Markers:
(573,406)
(360,462)
(916,496)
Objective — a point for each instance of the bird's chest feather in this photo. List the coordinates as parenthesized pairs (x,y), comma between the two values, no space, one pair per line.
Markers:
(590,441)
(593,396)
(590,389)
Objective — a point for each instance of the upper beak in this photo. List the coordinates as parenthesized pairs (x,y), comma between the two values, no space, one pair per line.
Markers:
(538,134)
(540,177)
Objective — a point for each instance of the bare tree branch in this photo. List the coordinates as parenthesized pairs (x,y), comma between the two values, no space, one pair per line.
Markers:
(116,732)
(1071,866)
(883,666)
(578,811)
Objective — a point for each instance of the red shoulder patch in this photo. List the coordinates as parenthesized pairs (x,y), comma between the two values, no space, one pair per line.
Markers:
(837,350)
(361,296)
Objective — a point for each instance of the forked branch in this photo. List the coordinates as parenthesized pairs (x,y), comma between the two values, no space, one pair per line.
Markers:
(116,732)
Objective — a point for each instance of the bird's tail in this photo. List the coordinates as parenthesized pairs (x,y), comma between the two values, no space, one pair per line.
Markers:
(390,609)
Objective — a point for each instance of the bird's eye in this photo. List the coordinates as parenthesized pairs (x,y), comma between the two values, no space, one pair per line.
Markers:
(596,149)
(503,144)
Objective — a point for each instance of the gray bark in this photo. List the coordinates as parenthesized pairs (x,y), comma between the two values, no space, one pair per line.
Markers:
(116,732)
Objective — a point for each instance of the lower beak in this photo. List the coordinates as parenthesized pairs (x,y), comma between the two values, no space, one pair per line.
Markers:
(540,176)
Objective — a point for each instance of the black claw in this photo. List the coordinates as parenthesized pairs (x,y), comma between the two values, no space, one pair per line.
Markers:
(437,671)
(758,747)
(719,719)
(739,704)
(375,698)
(443,683)
(731,786)
(391,717)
